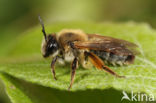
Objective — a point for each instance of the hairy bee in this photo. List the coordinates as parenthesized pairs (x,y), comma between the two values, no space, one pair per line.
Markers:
(76,47)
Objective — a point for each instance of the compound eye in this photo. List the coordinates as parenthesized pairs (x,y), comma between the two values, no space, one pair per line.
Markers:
(53,45)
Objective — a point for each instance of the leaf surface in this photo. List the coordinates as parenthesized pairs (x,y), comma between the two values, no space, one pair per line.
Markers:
(24,60)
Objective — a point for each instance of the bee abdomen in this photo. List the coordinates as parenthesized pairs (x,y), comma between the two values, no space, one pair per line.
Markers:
(114,59)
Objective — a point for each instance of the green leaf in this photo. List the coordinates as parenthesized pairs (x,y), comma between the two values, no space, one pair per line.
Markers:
(24,60)
(21,91)
(15,94)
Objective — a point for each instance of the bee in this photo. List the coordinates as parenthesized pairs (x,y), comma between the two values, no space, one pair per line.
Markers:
(78,47)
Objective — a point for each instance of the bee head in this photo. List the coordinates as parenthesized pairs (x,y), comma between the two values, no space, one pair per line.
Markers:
(50,45)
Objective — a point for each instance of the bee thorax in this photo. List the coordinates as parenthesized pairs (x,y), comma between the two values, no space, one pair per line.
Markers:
(61,61)
(69,56)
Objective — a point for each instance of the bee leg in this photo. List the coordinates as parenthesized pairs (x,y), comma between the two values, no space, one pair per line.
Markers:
(99,64)
(53,67)
(74,66)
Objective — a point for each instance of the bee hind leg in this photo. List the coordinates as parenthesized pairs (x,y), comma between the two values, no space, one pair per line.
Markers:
(99,64)
(53,67)
(74,66)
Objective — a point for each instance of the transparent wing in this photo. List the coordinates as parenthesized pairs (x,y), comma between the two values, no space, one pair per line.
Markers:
(108,44)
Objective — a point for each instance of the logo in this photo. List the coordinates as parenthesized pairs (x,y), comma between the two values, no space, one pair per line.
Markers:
(137,97)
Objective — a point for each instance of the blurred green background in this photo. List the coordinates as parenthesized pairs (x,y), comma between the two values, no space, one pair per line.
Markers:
(17,16)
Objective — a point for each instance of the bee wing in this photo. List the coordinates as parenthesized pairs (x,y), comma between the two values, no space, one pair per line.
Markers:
(95,37)
(108,44)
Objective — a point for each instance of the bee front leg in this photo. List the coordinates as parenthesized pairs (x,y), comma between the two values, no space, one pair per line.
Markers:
(74,66)
(53,67)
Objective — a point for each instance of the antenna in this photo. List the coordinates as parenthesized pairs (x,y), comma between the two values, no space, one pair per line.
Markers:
(43,29)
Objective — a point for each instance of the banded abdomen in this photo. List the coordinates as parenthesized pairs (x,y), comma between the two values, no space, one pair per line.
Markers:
(114,59)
